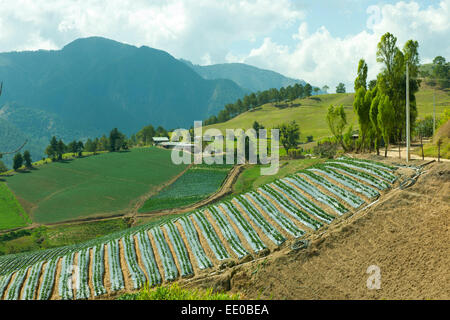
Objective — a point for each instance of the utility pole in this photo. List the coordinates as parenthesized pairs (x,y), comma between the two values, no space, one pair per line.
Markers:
(434,110)
(407,113)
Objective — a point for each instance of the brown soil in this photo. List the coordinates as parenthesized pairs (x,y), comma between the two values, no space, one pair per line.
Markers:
(405,234)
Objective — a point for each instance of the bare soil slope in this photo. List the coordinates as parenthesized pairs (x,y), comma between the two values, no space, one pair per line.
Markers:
(406,235)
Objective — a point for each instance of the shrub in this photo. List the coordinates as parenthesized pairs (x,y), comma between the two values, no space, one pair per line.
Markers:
(326,149)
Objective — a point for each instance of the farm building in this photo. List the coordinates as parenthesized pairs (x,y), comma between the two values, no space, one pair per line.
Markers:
(158,140)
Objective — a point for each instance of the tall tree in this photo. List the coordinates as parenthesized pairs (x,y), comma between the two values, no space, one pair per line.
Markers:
(340,88)
(27,159)
(17,161)
(289,135)
(361,78)
(337,120)
(3,168)
(374,120)
(386,120)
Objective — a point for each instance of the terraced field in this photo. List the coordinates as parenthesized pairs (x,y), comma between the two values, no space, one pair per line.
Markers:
(196,184)
(248,226)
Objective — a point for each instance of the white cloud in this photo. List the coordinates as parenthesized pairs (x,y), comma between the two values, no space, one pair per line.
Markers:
(185,28)
(320,58)
(206,31)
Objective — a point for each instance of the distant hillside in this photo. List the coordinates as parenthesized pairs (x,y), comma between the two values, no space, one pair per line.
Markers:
(95,84)
(246,76)
(310,113)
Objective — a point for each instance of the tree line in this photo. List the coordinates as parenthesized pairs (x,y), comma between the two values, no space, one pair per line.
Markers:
(380,103)
(259,98)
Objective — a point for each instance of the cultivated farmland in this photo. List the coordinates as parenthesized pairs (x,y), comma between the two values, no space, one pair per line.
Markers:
(250,225)
(196,184)
(12,215)
(104,184)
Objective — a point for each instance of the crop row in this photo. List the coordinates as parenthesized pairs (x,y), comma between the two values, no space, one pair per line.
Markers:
(227,231)
(244,227)
(369,169)
(170,269)
(211,236)
(304,202)
(359,187)
(349,197)
(148,258)
(135,271)
(284,222)
(367,178)
(258,219)
(316,194)
(295,212)
(203,261)
(180,249)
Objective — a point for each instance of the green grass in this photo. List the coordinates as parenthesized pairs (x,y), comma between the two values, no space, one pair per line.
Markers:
(310,115)
(12,215)
(251,177)
(56,236)
(103,184)
(175,292)
(195,185)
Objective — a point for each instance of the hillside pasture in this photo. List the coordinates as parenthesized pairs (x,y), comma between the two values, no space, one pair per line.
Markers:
(12,215)
(97,185)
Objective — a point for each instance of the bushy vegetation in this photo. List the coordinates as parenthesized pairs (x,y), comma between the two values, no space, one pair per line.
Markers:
(175,292)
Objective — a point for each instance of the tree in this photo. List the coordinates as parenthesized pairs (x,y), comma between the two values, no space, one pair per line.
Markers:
(3,168)
(361,78)
(116,139)
(307,89)
(316,90)
(337,120)
(27,159)
(441,71)
(17,161)
(372,84)
(424,128)
(386,120)
(361,106)
(289,135)
(325,88)
(146,134)
(62,148)
(340,88)
(80,148)
(373,114)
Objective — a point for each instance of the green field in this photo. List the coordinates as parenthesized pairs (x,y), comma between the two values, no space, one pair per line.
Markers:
(196,184)
(251,178)
(12,215)
(311,113)
(97,185)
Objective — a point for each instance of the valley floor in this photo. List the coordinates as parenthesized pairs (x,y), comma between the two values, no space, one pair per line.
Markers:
(405,234)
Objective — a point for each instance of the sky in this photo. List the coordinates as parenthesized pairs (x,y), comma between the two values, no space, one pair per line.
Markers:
(318,41)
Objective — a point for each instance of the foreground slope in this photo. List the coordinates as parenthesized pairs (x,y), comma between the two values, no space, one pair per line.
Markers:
(405,234)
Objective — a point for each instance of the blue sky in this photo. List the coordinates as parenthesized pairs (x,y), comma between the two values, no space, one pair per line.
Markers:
(318,41)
